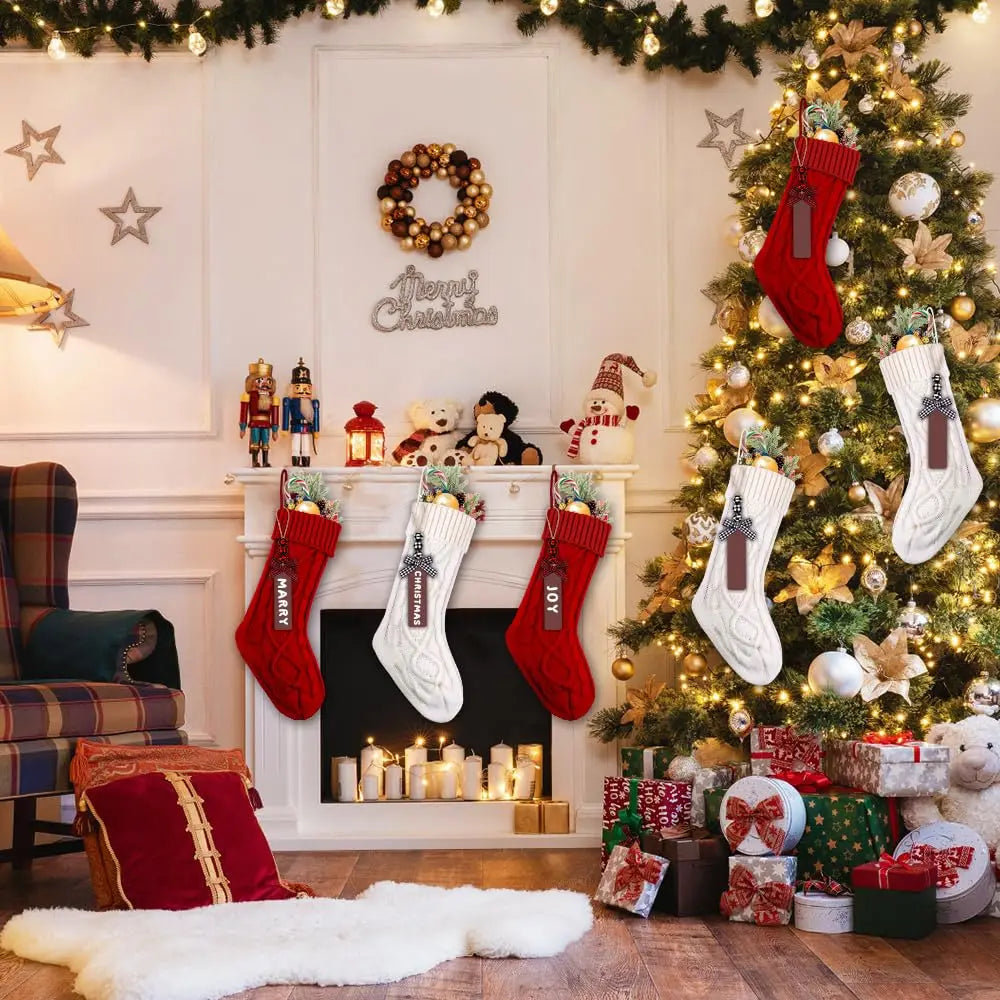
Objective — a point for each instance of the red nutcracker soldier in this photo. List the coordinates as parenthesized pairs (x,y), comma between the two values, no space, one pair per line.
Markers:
(300,415)
(259,412)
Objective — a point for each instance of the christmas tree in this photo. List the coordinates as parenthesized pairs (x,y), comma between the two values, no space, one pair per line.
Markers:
(909,266)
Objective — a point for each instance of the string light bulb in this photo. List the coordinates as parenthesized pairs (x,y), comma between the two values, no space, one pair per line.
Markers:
(335,8)
(650,43)
(57,47)
(765,8)
(435,7)
(196,41)
(982,12)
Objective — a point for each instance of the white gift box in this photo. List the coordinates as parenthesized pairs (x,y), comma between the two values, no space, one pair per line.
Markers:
(761,816)
(819,913)
(966,882)
(889,770)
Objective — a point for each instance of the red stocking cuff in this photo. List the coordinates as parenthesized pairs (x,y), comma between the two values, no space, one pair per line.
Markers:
(831,158)
(590,533)
(318,532)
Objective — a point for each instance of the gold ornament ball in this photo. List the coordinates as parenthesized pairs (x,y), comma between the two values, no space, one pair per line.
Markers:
(464,242)
(447,500)
(915,28)
(694,664)
(483,220)
(578,507)
(421,240)
(976,221)
(957,139)
(407,244)
(962,308)
(856,494)
(623,669)
(740,420)
(908,340)
(449,242)
(982,420)
(826,135)
(765,462)
(470,226)
(307,507)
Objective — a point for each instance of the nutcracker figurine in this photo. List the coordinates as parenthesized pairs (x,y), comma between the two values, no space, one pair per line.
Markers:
(300,415)
(259,412)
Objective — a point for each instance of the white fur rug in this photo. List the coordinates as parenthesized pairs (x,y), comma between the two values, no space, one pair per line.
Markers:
(392,931)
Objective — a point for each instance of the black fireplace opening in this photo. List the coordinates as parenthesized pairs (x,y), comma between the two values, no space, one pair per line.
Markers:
(362,701)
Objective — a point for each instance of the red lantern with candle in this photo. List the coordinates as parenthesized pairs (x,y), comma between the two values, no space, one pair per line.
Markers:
(365,436)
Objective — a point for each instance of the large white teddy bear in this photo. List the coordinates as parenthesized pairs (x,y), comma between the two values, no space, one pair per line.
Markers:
(974,795)
(435,434)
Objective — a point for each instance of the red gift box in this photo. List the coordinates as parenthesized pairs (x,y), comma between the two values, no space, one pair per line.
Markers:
(661,804)
(775,749)
(888,873)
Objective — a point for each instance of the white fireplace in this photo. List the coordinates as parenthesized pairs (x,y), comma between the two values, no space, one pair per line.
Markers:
(285,754)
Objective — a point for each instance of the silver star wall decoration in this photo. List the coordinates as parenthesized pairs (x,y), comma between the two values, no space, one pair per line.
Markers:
(726,134)
(36,148)
(57,321)
(130,218)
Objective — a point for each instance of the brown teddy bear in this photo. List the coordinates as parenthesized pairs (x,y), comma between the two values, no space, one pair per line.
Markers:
(519,451)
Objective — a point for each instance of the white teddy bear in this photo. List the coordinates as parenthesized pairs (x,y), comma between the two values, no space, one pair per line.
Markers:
(435,434)
(974,768)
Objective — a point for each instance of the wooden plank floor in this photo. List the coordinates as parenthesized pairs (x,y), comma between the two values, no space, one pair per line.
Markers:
(623,958)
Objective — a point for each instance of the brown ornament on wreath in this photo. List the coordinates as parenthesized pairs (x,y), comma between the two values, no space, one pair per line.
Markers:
(463,173)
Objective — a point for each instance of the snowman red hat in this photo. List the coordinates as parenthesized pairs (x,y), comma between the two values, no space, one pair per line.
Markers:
(609,375)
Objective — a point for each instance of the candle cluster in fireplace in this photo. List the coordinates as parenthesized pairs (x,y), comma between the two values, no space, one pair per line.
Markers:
(378,774)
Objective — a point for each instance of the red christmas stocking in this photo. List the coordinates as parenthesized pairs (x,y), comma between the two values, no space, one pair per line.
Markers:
(791,266)
(272,636)
(542,638)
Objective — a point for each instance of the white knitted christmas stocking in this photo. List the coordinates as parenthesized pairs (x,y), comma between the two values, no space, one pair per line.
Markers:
(730,604)
(410,642)
(944,482)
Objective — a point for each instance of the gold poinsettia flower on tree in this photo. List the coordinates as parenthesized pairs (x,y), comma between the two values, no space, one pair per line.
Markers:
(814,581)
(925,254)
(641,701)
(816,93)
(975,343)
(836,373)
(852,41)
(884,502)
(720,400)
(811,466)
(902,85)
(888,665)
(673,569)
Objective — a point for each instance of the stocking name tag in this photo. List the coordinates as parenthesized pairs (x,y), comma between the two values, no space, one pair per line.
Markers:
(803,201)
(735,531)
(552,604)
(937,410)
(282,601)
(417,600)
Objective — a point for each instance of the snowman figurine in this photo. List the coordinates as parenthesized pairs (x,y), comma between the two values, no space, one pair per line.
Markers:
(603,435)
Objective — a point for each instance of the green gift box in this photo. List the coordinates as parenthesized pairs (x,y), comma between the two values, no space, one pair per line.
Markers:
(895,913)
(644,762)
(843,829)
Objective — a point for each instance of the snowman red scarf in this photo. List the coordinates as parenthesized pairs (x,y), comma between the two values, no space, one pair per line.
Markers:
(604,420)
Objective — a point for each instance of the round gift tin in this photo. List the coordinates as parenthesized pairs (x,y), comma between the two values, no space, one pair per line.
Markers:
(822,914)
(762,816)
(964,856)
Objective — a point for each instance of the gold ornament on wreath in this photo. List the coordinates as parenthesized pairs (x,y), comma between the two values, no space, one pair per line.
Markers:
(444,161)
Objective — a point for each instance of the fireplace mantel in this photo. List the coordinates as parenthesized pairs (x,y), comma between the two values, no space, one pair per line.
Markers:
(285,754)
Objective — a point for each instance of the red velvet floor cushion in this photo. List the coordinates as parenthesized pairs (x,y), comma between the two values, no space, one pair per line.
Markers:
(177,839)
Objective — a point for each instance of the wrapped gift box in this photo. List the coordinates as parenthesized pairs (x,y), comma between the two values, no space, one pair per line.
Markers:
(631,880)
(781,748)
(648,804)
(717,776)
(698,872)
(888,769)
(965,879)
(555,817)
(893,899)
(527,817)
(888,873)
(644,762)
(762,816)
(820,912)
(761,890)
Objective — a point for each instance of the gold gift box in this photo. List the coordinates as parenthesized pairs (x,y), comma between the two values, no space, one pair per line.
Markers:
(527,817)
(555,817)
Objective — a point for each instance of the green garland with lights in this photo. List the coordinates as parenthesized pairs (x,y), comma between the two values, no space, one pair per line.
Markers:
(630,33)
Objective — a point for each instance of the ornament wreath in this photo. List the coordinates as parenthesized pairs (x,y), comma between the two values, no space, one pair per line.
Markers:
(628,32)
(463,172)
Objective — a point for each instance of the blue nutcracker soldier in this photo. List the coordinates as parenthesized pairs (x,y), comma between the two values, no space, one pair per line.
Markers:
(300,415)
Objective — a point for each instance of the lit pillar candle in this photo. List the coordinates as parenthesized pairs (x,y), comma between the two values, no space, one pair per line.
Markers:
(533,751)
(372,759)
(335,777)
(500,753)
(447,782)
(472,777)
(418,781)
(393,782)
(454,755)
(347,779)
(369,786)
(496,780)
(524,780)
(416,754)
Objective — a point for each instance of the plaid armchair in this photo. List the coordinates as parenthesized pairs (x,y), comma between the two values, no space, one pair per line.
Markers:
(41,719)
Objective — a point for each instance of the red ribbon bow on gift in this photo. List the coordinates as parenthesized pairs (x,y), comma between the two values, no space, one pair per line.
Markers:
(946,860)
(805,781)
(887,863)
(791,746)
(769,902)
(760,818)
(635,873)
(827,885)
(888,739)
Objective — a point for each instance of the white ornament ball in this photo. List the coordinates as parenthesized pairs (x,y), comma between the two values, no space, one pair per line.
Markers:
(705,457)
(867,104)
(830,442)
(732,230)
(914,619)
(837,251)
(770,320)
(683,769)
(701,528)
(743,419)
(945,321)
(976,221)
(874,579)
(811,59)
(982,695)
(898,49)
(858,331)
(836,672)
(982,420)
(750,244)
(738,376)
(915,196)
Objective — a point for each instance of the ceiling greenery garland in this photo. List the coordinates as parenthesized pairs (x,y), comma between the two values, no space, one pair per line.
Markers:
(630,33)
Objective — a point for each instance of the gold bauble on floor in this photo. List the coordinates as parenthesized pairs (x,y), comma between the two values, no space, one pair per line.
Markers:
(623,669)
(694,664)
(826,135)
(578,507)
(307,507)
(982,420)
(447,500)
(765,462)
